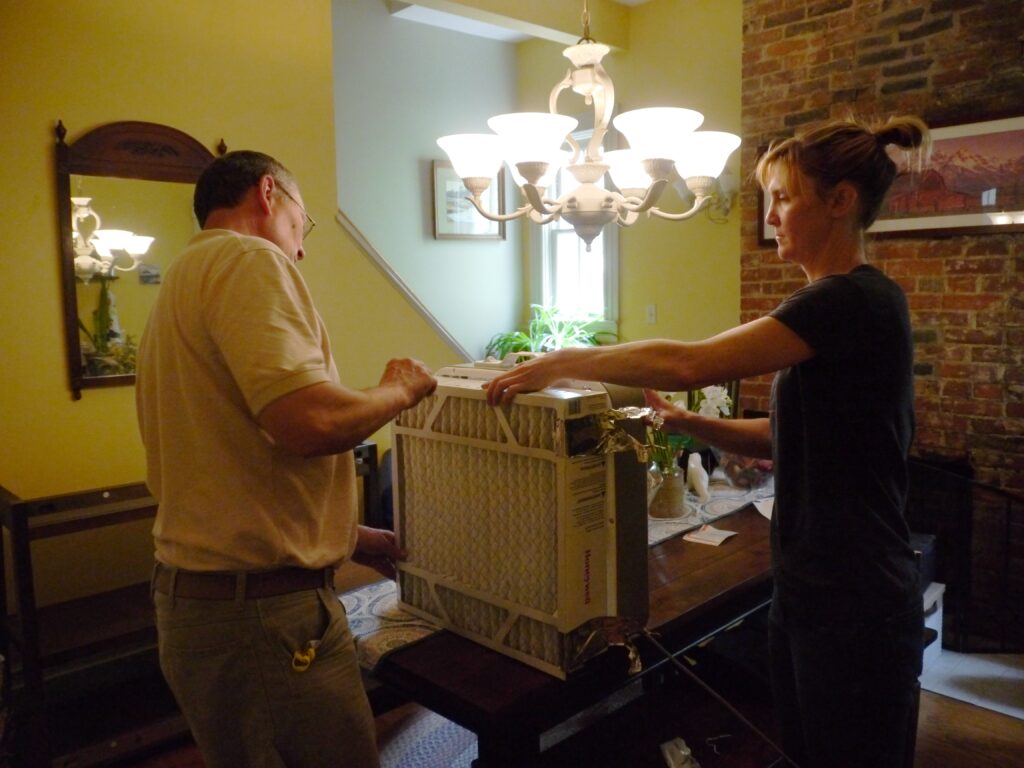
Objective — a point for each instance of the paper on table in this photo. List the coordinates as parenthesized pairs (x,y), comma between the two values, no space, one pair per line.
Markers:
(708,534)
(765,506)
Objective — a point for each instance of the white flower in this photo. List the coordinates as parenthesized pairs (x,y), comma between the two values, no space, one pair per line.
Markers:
(714,403)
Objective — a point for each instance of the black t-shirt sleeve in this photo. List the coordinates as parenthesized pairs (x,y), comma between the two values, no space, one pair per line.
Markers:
(820,313)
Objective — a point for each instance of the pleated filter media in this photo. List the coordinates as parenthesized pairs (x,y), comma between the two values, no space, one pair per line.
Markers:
(517,538)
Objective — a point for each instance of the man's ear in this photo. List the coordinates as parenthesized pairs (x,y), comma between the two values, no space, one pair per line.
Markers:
(844,199)
(265,192)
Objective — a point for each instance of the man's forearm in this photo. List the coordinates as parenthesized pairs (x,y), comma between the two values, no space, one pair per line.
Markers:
(324,419)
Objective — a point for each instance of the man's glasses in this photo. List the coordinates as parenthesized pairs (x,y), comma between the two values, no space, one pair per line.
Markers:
(310,223)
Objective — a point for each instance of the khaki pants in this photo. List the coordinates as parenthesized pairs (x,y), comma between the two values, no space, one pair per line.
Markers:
(230,666)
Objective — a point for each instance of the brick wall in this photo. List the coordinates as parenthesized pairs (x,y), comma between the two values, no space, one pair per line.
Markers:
(949,61)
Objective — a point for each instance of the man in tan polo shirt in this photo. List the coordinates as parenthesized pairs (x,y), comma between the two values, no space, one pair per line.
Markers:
(248,433)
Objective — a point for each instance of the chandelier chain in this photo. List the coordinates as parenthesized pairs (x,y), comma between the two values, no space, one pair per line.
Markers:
(585,19)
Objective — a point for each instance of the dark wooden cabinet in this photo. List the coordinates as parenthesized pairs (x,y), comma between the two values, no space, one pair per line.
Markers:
(72,665)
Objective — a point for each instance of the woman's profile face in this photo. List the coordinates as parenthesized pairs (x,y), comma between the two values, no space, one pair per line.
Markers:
(800,217)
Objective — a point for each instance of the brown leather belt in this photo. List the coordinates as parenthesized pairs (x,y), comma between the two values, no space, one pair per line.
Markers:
(250,585)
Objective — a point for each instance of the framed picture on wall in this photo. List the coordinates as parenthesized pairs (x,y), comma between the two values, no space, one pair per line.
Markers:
(455,217)
(973,183)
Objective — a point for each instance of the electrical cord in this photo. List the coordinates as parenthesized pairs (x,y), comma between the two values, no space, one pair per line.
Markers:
(783,761)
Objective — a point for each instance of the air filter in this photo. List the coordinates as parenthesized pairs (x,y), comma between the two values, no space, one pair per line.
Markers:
(522,534)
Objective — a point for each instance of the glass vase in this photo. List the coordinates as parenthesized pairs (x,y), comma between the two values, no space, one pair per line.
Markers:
(669,500)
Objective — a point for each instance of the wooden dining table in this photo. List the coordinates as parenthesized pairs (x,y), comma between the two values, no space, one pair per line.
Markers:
(519,713)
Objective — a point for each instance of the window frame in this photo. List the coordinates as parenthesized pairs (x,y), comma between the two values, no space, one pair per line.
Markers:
(541,267)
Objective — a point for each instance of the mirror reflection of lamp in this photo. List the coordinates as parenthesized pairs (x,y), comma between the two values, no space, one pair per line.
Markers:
(97,251)
(97,255)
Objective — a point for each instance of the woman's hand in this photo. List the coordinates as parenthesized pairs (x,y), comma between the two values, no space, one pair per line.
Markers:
(528,376)
(378,549)
(672,415)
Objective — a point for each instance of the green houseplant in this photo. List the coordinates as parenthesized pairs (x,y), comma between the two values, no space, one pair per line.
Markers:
(106,351)
(549,329)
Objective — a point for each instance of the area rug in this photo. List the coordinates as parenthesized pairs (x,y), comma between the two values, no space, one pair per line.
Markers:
(423,739)
(378,624)
(428,740)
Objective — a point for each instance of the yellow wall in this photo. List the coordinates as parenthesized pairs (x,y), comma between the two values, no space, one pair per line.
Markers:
(684,53)
(257,75)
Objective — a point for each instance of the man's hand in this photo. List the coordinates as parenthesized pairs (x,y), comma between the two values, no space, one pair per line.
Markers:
(410,376)
(377,548)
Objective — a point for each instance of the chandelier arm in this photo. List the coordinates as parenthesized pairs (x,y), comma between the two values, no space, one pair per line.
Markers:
(701,202)
(519,212)
(627,218)
(604,105)
(537,218)
(575,149)
(563,84)
(82,212)
(653,194)
(594,146)
(135,263)
(540,204)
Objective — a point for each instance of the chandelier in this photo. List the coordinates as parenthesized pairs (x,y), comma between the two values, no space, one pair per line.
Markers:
(661,139)
(97,250)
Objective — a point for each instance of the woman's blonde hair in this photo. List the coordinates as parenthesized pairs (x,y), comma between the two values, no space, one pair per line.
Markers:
(848,150)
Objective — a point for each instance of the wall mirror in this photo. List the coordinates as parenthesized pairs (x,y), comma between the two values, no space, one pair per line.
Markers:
(124,205)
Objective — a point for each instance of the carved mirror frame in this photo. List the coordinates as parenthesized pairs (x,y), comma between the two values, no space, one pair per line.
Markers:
(128,150)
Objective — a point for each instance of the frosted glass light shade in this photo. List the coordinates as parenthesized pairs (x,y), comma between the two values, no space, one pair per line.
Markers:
(107,240)
(626,169)
(656,132)
(473,155)
(139,244)
(532,136)
(704,153)
(555,164)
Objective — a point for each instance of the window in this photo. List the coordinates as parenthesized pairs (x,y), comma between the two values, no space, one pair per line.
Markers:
(569,277)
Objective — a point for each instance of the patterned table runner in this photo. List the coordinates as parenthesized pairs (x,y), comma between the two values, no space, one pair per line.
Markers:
(723,499)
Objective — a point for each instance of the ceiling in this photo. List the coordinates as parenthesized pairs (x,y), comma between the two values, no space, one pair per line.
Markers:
(408,10)
(456,23)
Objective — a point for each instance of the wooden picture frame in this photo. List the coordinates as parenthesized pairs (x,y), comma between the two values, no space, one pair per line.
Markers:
(455,218)
(973,183)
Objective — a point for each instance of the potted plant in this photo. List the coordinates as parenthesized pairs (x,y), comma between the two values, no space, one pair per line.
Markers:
(107,350)
(549,329)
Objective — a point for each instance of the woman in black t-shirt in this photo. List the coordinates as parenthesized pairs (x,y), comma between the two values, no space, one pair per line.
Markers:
(846,620)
